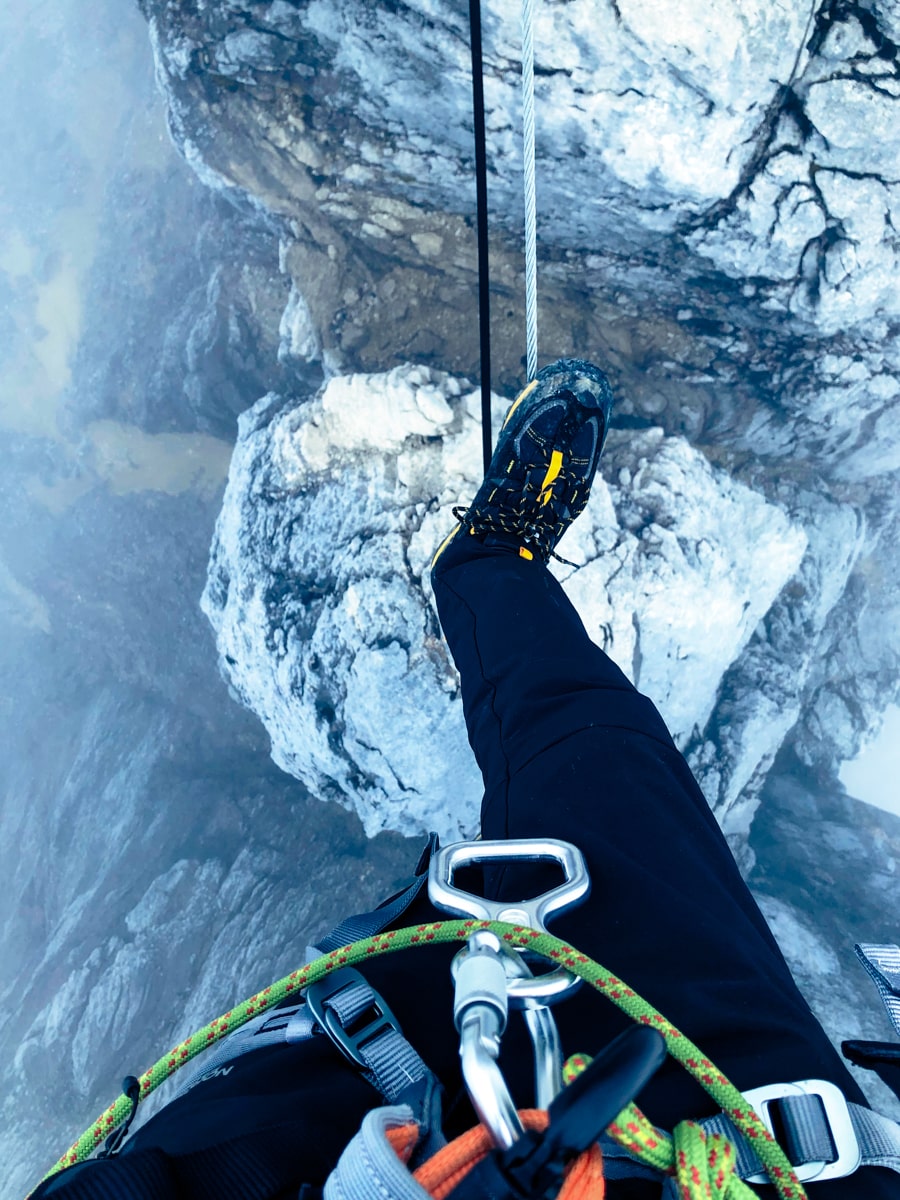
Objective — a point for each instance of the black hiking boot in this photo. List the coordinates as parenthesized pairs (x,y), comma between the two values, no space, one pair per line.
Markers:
(540,476)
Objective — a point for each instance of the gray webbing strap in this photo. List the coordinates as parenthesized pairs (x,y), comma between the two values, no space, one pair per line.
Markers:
(807,1134)
(883,965)
(392,1064)
(808,1138)
(747,1162)
(879,1137)
(380,1051)
(292,1024)
(364,925)
(370,1167)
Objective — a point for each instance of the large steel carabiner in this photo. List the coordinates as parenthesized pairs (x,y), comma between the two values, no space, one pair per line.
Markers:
(490,976)
(534,912)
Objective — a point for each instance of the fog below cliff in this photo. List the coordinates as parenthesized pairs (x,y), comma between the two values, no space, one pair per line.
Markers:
(157,863)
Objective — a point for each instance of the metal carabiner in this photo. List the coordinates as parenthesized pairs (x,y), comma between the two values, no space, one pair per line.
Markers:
(541,1025)
(575,888)
(481,1011)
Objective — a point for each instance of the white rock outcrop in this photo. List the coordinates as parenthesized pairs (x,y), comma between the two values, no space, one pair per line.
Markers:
(319,594)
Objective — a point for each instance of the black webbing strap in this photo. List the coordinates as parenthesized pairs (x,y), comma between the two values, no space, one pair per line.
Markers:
(259,1166)
(366,925)
(881,1057)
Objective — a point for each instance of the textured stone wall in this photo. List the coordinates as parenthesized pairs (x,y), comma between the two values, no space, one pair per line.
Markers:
(715,195)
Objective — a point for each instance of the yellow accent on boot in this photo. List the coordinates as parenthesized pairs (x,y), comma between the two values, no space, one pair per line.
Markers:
(556,460)
(524,552)
(444,544)
(526,391)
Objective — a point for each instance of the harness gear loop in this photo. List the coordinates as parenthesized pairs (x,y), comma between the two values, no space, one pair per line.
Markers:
(131,1089)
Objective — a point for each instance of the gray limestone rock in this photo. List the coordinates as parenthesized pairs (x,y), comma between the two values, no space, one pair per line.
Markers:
(732,259)
(334,645)
(699,183)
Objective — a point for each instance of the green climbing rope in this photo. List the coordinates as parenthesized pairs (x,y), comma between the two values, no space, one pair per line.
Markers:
(703,1165)
(700,1164)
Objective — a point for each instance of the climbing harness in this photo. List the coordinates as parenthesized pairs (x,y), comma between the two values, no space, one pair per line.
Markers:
(827,1136)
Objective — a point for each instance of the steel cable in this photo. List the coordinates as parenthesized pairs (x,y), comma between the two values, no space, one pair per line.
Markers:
(484,297)
(528,171)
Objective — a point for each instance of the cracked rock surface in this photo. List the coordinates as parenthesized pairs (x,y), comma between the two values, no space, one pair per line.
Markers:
(716,226)
(715,194)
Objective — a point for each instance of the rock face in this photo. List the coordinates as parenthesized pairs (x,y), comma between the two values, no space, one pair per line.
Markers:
(717,200)
(715,193)
(715,224)
(156,865)
(333,643)
(814,908)
(712,224)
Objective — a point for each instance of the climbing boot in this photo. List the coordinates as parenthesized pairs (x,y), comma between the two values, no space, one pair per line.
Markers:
(540,476)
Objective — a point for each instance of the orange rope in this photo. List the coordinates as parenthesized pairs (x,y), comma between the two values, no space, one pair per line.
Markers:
(441,1173)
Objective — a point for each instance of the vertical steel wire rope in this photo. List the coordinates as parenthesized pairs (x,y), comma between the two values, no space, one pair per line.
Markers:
(484,298)
(528,172)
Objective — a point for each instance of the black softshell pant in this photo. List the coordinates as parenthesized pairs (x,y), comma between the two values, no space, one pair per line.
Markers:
(569,749)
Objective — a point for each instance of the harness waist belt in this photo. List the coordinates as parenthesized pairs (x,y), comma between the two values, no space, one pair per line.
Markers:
(334,1006)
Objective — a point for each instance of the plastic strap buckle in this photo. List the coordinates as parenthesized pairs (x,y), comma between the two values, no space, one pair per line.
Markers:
(836,1116)
(324,1004)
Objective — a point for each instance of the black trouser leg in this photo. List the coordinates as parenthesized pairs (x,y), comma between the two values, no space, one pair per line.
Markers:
(570,749)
